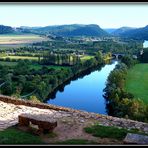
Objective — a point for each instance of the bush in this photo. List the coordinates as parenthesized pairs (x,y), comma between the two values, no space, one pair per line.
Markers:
(34,99)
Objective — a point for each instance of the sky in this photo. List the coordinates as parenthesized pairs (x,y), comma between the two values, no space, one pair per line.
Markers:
(107,15)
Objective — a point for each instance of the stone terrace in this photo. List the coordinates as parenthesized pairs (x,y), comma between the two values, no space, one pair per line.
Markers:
(10,108)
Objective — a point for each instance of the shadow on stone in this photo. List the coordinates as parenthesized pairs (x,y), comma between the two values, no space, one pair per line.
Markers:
(37,124)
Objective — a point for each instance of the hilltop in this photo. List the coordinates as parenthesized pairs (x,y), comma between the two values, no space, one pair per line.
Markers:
(132,33)
(6,29)
(77,30)
(121,31)
(58,30)
(71,30)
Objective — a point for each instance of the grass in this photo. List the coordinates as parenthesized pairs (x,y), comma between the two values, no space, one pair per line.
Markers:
(21,57)
(37,67)
(15,136)
(5,63)
(137,81)
(8,46)
(52,135)
(32,66)
(19,39)
(84,58)
(106,132)
(109,131)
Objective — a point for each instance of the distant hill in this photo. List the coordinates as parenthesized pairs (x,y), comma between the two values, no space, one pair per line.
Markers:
(89,30)
(28,27)
(56,29)
(79,30)
(72,30)
(139,33)
(121,30)
(13,30)
(109,30)
(6,29)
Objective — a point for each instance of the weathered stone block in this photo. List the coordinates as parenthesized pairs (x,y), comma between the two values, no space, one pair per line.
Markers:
(43,125)
(135,139)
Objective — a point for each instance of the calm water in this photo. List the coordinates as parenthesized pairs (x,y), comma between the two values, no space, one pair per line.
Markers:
(85,93)
(145,44)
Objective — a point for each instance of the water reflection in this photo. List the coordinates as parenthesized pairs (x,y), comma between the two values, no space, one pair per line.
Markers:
(84,92)
(145,44)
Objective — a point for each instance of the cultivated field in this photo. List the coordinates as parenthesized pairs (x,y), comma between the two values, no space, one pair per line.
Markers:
(20,39)
(86,57)
(21,57)
(137,81)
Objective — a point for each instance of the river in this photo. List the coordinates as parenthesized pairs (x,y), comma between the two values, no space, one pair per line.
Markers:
(145,44)
(85,93)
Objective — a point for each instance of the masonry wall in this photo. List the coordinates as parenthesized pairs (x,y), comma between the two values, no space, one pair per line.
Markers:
(103,119)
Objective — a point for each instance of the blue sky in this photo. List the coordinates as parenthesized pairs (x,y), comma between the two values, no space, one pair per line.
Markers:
(105,15)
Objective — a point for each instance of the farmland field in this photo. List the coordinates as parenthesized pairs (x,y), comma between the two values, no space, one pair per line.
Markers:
(86,57)
(20,39)
(137,81)
(21,57)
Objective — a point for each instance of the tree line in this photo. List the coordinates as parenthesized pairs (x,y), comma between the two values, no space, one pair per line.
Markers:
(60,59)
(119,102)
(25,82)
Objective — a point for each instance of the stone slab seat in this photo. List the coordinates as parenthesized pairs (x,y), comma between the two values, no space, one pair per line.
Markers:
(44,124)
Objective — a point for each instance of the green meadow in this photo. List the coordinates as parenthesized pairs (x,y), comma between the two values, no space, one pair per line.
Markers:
(137,81)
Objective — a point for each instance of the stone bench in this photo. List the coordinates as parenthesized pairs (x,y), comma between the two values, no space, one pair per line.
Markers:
(43,125)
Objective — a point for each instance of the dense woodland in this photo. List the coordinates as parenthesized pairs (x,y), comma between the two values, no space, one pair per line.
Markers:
(24,81)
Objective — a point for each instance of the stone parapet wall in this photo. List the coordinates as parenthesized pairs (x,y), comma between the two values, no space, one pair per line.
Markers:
(17,101)
(101,119)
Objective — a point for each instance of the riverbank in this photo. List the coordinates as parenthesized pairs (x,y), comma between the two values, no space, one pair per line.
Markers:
(121,103)
(86,91)
(80,70)
(81,74)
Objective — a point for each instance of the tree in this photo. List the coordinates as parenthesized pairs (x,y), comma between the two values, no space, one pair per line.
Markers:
(22,68)
(59,59)
(41,90)
(34,99)
(144,56)
(99,57)
(7,89)
(74,58)
(128,60)
(4,70)
(22,79)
